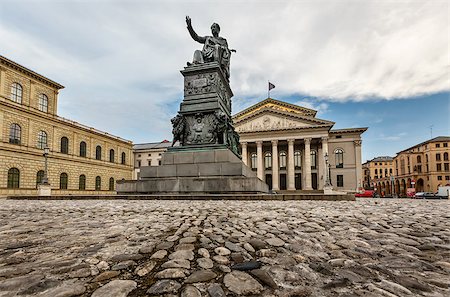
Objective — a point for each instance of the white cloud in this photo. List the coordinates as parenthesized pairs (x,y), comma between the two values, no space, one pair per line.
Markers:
(123,57)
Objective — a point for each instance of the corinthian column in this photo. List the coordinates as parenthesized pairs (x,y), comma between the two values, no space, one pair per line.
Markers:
(307,169)
(259,158)
(275,166)
(244,152)
(291,168)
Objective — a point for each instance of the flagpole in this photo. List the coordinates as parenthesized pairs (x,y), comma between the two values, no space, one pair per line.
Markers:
(268,89)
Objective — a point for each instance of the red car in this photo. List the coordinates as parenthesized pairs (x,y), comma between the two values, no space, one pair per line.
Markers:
(365,193)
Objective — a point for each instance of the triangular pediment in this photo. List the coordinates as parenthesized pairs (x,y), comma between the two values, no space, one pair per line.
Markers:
(268,119)
(274,104)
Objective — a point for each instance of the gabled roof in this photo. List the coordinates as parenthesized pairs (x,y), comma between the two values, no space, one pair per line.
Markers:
(152,145)
(30,73)
(271,102)
(269,110)
(349,130)
(436,139)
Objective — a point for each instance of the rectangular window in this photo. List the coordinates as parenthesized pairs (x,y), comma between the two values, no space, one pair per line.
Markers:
(445,144)
(439,167)
(139,164)
(446,167)
(438,157)
(447,177)
(149,162)
(439,177)
(340,180)
(438,145)
(159,162)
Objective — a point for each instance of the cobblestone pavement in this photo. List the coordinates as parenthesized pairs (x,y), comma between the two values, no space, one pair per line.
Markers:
(370,247)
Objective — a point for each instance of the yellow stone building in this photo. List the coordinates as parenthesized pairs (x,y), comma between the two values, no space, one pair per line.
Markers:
(423,167)
(378,170)
(82,160)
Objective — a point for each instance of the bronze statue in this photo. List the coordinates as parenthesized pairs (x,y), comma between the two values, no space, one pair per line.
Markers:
(215,48)
(179,129)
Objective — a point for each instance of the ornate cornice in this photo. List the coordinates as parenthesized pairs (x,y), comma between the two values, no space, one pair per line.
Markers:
(30,73)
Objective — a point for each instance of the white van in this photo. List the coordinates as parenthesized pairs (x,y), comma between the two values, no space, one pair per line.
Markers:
(444,192)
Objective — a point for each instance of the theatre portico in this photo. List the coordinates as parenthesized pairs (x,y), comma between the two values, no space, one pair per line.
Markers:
(276,137)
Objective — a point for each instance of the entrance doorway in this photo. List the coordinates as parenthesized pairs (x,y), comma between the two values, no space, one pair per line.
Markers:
(283,181)
(298,181)
(269,180)
(314,180)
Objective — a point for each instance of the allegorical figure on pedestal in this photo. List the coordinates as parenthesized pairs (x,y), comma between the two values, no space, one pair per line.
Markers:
(215,48)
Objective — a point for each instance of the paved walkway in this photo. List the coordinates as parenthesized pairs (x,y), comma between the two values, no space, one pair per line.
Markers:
(371,247)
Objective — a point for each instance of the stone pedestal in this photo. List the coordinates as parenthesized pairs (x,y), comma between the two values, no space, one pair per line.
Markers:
(44,190)
(196,171)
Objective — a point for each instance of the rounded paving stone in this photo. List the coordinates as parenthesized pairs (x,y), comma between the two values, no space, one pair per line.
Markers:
(116,288)
(221,259)
(242,283)
(200,276)
(164,286)
(205,263)
(222,251)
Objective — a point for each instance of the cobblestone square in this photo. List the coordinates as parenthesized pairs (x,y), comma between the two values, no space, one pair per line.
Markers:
(370,247)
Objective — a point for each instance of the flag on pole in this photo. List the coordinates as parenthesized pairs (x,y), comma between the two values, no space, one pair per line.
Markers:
(271,86)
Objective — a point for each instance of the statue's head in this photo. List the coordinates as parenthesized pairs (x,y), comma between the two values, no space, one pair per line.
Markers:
(215,29)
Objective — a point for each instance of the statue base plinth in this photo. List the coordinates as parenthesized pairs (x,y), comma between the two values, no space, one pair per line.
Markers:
(196,171)
(44,190)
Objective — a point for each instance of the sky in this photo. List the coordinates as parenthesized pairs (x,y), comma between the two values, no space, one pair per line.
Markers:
(374,63)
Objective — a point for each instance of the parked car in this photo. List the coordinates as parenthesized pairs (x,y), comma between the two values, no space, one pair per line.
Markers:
(427,195)
(365,193)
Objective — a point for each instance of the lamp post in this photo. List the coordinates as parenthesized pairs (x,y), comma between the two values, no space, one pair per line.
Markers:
(45,179)
(44,188)
(327,188)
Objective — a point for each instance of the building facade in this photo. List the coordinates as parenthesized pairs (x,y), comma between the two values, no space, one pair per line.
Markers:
(423,167)
(290,148)
(148,154)
(82,160)
(378,170)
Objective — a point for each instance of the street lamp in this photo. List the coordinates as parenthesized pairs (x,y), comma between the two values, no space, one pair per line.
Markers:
(44,188)
(328,174)
(45,179)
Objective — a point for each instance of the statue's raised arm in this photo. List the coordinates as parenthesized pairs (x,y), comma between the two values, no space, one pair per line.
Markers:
(215,48)
(194,35)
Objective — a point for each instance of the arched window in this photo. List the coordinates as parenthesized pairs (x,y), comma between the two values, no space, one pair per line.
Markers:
(39,177)
(111,184)
(82,182)
(123,159)
(16,92)
(297,159)
(82,149)
(445,156)
(63,181)
(268,160)
(283,160)
(339,154)
(98,152)
(419,159)
(111,155)
(376,171)
(385,172)
(42,139)
(254,160)
(43,103)
(13,178)
(64,145)
(98,183)
(313,159)
(14,134)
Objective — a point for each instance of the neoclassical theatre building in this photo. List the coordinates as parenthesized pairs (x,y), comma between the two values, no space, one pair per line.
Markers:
(82,160)
(286,145)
